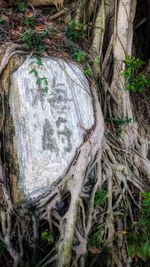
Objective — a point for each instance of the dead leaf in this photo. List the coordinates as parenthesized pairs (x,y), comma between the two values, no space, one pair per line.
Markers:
(59,36)
(15,33)
(95,250)
(3,3)
(40,28)
(5,18)
(30,14)
(48,41)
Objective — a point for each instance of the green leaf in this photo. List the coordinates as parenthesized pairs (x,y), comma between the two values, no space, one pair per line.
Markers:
(46,89)
(34,71)
(21,6)
(75,31)
(38,81)
(47,236)
(88,72)
(80,55)
(39,61)
(46,81)
(100,198)
(134,81)
(29,21)
(145,250)
(131,250)
(96,239)
(1,19)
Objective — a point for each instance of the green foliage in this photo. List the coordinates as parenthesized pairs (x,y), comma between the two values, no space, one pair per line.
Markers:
(1,20)
(21,5)
(88,72)
(35,64)
(96,240)
(80,56)
(145,209)
(34,40)
(34,71)
(97,245)
(120,124)
(29,21)
(135,81)
(100,198)
(39,83)
(96,61)
(75,31)
(139,234)
(38,61)
(124,121)
(47,236)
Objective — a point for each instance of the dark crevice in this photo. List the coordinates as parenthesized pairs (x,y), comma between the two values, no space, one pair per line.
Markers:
(142,30)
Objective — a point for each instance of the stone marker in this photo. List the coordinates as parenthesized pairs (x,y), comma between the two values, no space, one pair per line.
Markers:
(51,108)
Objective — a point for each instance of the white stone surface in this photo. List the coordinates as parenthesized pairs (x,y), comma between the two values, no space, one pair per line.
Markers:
(49,126)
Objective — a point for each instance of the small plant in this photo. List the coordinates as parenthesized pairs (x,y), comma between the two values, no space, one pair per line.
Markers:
(34,40)
(124,121)
(120,124)
(35,64)
(100,198)
(75,31)
(21,5)
(37,61)
(145,208)
(135,81)
(88,72)
(97,244)
(80,56)
(96,240)
(39,83)
(47,236)
(96,61)
(138,235)
(29,21)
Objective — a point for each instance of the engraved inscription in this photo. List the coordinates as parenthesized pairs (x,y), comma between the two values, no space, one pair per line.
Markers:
(64,134)
(59,101)
(49,142)
(47,125)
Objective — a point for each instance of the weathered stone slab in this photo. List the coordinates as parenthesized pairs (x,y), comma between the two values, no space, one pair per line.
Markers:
(51,108)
